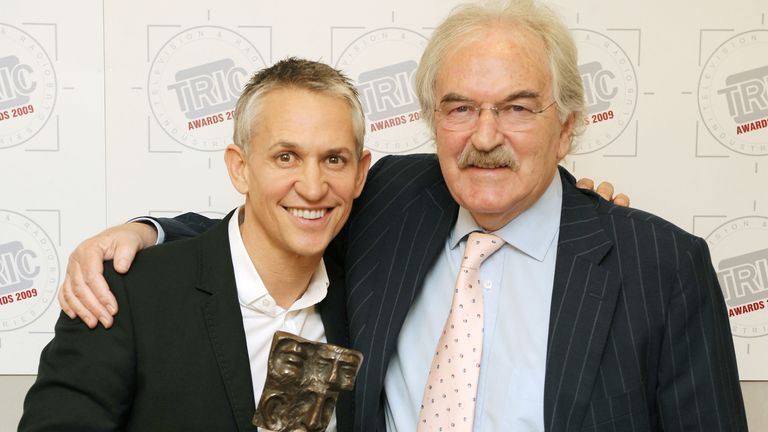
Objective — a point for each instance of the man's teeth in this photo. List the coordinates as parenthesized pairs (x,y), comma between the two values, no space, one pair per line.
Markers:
(307,214)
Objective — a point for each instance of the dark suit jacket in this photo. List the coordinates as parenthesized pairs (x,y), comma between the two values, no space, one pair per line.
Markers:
(639,339)
(175,360)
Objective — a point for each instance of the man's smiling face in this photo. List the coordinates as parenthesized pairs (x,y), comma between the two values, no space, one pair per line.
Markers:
(302,172)
(500,66)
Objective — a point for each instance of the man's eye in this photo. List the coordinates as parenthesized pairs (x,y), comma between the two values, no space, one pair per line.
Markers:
(461,109)
(337,161)
(285,157)
(514,108)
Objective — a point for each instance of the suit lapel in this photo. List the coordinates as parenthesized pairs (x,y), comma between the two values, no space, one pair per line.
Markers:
(583,301)
(410,241)
(224,322)
(333,307)
(334,315)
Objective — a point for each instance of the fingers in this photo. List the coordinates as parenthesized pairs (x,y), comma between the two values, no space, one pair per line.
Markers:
(87,287)
(64,301)
(605,190)
(98,287)
(85,292)
(69,301)
(78,310)
(101,301)
(124,255)
(126,240)
(586,183)
(621,200)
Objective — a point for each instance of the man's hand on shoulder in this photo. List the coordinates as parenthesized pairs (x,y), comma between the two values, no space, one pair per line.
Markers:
(605,190)
(85,292)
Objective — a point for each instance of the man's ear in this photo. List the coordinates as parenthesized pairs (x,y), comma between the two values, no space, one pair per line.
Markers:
(237,167)
(566,136)
(362,172)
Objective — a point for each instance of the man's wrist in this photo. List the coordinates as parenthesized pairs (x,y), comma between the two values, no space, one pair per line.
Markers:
(152,223)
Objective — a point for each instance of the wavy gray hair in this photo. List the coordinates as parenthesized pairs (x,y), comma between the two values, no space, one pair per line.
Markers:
(466,19)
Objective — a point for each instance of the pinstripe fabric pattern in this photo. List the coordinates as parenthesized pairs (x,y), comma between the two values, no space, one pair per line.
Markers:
(638,340)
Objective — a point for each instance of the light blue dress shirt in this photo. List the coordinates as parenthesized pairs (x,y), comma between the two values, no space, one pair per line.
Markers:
(517,294)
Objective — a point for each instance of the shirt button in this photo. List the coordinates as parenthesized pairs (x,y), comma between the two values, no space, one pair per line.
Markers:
(266,302)
(488,284)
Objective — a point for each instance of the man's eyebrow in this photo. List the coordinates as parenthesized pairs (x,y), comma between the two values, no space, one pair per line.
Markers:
(520,94)
(339,150)
(283,145)
(288,145)
(454,97)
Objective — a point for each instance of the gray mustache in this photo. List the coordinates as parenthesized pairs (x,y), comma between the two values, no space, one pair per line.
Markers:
(498,157)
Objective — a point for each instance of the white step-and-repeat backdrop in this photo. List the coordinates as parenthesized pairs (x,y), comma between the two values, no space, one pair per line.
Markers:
(111,109)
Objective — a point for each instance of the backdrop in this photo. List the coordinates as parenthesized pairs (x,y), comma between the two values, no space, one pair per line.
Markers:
(112,109)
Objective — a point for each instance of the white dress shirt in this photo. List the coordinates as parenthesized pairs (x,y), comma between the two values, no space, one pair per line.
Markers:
(517,282)
(262,317)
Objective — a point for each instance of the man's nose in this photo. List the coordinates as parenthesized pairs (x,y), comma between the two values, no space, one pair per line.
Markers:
(312,184)
(487,135)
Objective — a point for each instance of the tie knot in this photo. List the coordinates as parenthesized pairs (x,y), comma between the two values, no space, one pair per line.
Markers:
(479,247)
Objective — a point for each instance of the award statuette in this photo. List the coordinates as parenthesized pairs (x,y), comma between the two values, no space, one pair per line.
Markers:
(304,379)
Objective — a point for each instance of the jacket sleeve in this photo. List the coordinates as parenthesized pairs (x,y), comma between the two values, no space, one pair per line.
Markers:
(185,226)
(85,380)
(698,380)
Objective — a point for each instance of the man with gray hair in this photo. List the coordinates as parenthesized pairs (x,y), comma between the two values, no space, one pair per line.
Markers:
(488,293)
(594,317)
(189,350)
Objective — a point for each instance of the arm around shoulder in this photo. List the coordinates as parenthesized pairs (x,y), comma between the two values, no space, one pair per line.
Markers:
(85,293)
(185,225)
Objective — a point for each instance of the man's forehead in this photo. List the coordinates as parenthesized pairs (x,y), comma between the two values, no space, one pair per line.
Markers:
(509,61)
(297,118)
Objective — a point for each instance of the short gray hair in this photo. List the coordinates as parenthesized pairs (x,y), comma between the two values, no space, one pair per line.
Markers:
(301,74)
(466,19)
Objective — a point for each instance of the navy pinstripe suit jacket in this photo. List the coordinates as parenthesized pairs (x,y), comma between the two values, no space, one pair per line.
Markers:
(639,339)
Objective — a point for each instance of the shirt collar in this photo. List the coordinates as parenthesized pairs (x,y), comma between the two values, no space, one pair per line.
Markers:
(532,231)
(250,287)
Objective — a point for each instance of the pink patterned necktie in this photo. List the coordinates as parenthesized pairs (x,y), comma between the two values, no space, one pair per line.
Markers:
(449,397)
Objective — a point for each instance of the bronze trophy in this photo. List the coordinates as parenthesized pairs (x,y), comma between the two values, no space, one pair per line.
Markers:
(304,379)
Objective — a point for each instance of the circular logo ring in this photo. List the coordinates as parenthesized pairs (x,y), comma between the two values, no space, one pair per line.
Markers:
(383,63)
(610,89)
(731,120)
(192,96)
(28,86)
(29,271)
(740,257)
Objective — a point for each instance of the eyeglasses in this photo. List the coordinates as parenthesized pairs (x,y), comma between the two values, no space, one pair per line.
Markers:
(463,115)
